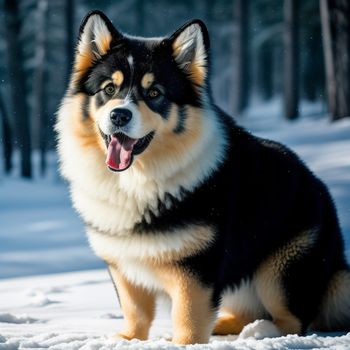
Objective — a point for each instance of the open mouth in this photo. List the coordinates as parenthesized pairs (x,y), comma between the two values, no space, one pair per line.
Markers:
(122,148)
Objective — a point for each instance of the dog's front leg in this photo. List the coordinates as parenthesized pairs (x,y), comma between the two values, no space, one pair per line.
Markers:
(192,312)
(138,306)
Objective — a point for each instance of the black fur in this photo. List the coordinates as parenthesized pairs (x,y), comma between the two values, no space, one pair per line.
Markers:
(85,107)
(260,198)
(181,115)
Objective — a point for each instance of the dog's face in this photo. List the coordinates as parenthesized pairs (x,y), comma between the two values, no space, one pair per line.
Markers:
(142,93)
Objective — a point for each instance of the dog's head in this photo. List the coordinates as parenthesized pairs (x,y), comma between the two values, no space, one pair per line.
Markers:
(143,94)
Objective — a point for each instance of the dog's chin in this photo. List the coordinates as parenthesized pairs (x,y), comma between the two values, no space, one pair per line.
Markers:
(121,149)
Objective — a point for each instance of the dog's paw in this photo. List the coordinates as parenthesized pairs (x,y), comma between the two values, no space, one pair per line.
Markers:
(119,336)
(260,329)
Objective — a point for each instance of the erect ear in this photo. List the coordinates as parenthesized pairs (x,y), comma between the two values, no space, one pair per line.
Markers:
(190,45)
(96,36)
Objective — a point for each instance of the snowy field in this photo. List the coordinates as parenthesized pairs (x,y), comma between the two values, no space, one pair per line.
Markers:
(40,234)
(80,311)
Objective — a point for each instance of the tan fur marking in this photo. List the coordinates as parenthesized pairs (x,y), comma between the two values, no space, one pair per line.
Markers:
(85,54)
(166,145)
(82,63)
(176,48)
(269,287)
(230,324)
(103,43)
(85,130)
(150,121)
(191,312)
(138,307)
(118,77)
(197,74)
(147,80)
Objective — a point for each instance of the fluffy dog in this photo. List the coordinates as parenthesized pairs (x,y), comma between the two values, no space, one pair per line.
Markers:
(178,199)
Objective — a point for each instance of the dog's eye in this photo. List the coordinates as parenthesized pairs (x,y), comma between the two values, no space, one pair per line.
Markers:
(153,93)
(109,89)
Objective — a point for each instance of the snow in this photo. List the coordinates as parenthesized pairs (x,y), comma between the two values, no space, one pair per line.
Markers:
(41,234)
(85,315)
(8,318)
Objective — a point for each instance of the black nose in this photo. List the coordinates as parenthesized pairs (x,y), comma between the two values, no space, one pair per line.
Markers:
(120,117)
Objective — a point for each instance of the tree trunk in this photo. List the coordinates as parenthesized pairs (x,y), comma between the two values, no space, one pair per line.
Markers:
(6,136)
(291,64)
(19,105)
(342,58)
(265,71)
(240,91)
(70,15)
(40,108)
(328,56)
(335,18)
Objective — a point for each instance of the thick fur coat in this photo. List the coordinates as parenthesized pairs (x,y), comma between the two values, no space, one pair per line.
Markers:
(179,200)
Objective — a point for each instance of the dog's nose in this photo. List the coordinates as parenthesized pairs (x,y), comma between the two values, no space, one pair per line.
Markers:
(120,117)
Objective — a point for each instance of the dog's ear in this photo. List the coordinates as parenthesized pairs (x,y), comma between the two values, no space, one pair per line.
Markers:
(190,49)
(96,36)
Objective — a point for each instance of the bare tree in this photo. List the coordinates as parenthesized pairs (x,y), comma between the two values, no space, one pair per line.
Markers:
(19,105)
(265,70)
(70,16)
(40,98)
(291,59)
(6,136)
(242,52)
(335,19)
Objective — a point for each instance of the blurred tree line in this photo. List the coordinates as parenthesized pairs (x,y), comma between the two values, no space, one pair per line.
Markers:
(260,49)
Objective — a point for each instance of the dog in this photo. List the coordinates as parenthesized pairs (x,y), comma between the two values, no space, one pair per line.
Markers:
(179,200)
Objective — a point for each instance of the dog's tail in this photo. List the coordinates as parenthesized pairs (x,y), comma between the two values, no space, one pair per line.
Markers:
(335,308)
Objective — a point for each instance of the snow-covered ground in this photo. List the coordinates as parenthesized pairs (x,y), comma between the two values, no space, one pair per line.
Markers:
(40,233)
(80,311)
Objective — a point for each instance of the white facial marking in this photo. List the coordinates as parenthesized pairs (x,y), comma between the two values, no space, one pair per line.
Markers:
(132,129)
(130,60)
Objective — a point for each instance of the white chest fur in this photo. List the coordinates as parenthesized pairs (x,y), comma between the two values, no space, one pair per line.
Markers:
(166,246)
(135,254)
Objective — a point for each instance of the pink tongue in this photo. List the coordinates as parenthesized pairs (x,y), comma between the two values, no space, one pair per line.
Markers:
(119,152)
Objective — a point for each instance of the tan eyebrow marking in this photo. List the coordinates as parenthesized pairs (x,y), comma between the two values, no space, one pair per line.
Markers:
(118,77)
(147,80)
